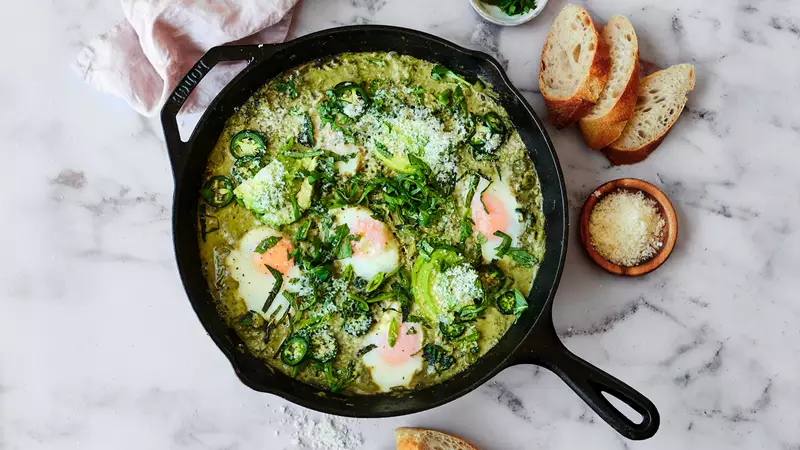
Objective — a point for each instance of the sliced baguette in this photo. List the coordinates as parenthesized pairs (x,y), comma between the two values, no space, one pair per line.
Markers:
(574,67)
(424,439)
(662,96)
(605,122)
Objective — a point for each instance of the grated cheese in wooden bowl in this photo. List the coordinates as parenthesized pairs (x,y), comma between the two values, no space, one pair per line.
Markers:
(626,228)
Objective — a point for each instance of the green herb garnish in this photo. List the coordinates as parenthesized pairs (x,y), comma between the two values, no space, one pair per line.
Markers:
(513,7)
(518,255)
(504,246)
(306,135)
(302,231)
(287,87)
(394,329)
(522,257)
(437,357)
(267,244)
(275,287)
(442,73)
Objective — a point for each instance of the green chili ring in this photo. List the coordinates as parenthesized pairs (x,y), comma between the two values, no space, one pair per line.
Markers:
(218,191)
(294,350)
(246,168)
(247,143)
(344,88)
(506,303)
(492,277)
(452,330)
(492,120)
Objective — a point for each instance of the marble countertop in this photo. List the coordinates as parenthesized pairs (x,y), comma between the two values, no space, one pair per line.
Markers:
(99,348)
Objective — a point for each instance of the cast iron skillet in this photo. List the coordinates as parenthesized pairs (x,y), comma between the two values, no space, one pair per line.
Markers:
(532,340)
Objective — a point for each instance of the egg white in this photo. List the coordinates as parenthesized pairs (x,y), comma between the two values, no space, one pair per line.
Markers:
(388,376)
(330,139)
(515,227)
(254,285)
(367,266)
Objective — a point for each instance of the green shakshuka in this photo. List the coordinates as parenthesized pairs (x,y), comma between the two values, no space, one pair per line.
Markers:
(370,223)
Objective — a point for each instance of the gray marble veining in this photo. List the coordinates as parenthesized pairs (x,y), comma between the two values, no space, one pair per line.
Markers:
(99,347)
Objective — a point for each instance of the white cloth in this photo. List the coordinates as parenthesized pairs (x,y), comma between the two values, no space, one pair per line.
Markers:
(144,57)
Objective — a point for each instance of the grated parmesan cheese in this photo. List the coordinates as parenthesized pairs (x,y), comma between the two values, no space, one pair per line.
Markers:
(625,228)
(416,130)
(457,286)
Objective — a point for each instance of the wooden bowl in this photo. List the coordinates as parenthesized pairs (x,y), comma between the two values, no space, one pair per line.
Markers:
(668,236)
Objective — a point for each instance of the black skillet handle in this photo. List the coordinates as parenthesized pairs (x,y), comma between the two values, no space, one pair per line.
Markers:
(589,382)
(169,113)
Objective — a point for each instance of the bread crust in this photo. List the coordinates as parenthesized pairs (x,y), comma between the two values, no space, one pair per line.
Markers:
(563,112)
(619,156)
(602,131)
(624,157)
(408,438)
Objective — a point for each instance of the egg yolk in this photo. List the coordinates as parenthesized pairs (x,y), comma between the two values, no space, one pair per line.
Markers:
(404,348)
(373,237)
(496,219)
(276,257)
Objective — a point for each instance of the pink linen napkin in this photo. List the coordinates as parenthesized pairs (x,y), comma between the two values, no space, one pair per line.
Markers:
(143,58)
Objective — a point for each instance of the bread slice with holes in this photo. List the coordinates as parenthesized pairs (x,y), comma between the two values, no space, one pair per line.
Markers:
(605,122)
(661,98)
(574,67)
(424,439)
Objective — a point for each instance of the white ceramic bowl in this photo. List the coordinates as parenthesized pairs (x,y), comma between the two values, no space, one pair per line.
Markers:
(493,14)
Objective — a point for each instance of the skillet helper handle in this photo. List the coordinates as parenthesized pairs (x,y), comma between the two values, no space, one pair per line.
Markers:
(590,382)
(176,100)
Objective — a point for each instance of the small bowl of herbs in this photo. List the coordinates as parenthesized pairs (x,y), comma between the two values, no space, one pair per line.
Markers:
(508,13)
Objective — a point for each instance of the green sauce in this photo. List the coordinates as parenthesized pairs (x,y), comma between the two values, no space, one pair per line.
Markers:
(384,103)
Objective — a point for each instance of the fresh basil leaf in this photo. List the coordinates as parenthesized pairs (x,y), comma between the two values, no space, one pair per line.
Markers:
(267,244)
(466,229)
(322,273)
(459,102)
(287,87)
(437,357)
(504,246)
(522,257)
(442,73)
(445,97)
(302,231)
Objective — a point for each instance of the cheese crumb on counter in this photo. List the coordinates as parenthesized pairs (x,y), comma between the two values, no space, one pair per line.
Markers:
(625,228)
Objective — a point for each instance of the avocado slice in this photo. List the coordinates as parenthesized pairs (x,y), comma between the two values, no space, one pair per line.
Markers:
(423,277)
(398,162)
